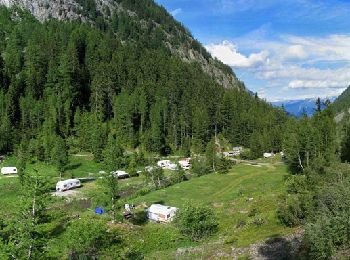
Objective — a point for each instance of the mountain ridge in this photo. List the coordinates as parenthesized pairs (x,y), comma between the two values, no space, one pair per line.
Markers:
(298,107)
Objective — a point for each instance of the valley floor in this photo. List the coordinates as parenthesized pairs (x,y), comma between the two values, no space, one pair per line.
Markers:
(245,201)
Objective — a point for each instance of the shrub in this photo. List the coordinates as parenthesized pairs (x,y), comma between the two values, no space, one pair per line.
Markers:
(199,166)
(290,211)
(178,176)
(196,222)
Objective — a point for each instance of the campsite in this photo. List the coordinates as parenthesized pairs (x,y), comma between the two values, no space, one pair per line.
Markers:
(243,199)
(158,129)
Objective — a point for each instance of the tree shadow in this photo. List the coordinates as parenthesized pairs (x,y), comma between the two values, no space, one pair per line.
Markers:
(159,202)
(139,218)
(279,248)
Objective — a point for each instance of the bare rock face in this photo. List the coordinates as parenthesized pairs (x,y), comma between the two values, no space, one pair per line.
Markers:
(45,9)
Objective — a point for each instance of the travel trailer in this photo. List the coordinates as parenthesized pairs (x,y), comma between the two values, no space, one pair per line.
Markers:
(161,213)
(185,163)
(8,170)
(122,174)
(166,164)
(68,184)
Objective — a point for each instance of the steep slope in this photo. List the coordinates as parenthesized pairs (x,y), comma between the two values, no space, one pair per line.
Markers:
(146,16)
(119,79)
(342,105)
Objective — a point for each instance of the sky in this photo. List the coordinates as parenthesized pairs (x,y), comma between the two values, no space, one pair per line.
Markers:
(281,49)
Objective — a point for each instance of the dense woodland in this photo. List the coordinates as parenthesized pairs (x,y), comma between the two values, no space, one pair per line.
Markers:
(82,84)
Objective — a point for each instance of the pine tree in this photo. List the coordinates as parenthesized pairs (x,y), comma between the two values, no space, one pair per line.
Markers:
(113,154)
(27,237)
(60,155)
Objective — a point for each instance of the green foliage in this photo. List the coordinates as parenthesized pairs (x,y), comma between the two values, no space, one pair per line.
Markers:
(88,237)
(113,154)
(155,176)
(27,234)
(60,155)
(178,175)
(199,166)
(196,221)
(110,189)
(79,82)
(310,138)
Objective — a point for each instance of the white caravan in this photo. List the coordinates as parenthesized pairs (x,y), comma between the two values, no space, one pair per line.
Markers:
(185,163)
(166,164)
(68,184)
(122,174)
(161,213)
(8,170)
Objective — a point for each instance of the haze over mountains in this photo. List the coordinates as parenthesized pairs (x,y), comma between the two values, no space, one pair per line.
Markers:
(299,107)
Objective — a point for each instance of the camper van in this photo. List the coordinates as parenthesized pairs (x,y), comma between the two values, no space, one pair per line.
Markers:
(67,184)
(161,213)
(8,170)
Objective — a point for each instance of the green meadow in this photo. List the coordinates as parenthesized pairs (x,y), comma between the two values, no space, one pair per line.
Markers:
(245,201)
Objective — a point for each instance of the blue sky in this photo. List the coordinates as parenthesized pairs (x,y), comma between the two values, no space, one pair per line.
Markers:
(282,49)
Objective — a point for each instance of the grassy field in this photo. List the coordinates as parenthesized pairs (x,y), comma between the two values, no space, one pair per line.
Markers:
(244,200)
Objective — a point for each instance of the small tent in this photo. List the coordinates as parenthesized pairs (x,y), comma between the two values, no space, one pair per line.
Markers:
(161,213)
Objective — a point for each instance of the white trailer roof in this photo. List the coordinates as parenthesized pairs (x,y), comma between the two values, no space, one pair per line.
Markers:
(7,170)
(68,181)
(161,209)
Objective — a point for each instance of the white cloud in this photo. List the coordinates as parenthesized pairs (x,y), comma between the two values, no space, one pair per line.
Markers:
(289,66)
(227,52)
(301,84)
(176,12)
(296,52)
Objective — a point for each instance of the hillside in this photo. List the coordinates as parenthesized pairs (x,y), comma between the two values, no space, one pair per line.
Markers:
(342,105)
(118,76)
(143,17)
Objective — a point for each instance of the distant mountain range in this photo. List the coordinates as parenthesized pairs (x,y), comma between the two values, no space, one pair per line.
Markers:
(298,107)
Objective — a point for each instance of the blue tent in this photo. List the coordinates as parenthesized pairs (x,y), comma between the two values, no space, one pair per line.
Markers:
(99,211)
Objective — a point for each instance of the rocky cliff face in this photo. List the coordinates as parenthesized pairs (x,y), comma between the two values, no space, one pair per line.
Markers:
(74,10)
(58,9)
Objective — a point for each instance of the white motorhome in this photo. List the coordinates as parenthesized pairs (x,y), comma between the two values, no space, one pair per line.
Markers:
(166,164)
(163,163)
(268,155)
(68,184)
(121,174)
(8,170)
(185,163)
(161,213)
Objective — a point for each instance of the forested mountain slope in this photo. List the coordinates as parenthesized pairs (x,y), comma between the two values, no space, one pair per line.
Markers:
(131,21)
(342,105)
(117,77)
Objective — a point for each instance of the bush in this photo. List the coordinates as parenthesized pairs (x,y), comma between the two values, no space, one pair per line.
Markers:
(178,176)
(199,166)
(290,211)
(224,165)
(196,222)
